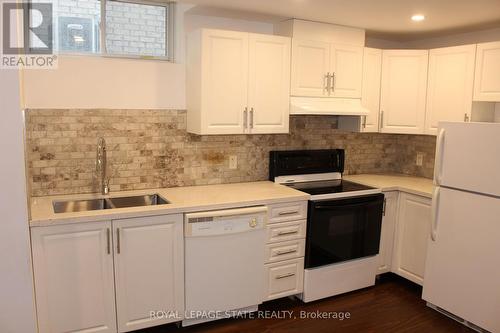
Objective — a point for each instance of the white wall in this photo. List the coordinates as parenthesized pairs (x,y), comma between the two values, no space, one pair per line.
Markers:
(17,314)
(111,83)
(102,82)
(474,37)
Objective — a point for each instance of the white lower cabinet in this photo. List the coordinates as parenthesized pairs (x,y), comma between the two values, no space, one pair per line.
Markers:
(284,278)
(285,249)
(82,270)
(74,283)
(149,274)
(389,220)
(411,237)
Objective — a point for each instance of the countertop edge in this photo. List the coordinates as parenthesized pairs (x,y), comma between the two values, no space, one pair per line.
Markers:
(393,184)
(125,213)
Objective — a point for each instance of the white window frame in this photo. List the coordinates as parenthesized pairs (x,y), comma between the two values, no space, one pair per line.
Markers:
(169,33)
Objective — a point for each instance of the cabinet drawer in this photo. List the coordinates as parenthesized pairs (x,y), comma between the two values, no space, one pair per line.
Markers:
(285,231)
(289,211)
(285,250)
(284,278)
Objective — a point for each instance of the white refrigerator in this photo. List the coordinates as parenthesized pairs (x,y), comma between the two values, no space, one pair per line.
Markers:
(462,271)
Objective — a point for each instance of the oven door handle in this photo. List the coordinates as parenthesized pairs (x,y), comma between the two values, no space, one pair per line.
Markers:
(366,203)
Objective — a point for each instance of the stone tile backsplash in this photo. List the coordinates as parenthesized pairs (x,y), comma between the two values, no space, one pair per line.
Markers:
(151,149)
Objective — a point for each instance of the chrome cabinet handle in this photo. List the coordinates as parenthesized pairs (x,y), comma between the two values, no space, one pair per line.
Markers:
(289,212)
(251,117)
(328,86)
(108,240)
(245,117)
(282,233)
(466,118)
(381,118)
(333,82)
(383,207)
(118,249)
(280,253)
(364,121)
(284,276)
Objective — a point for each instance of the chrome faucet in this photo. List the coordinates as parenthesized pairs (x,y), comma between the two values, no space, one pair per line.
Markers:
(101,165)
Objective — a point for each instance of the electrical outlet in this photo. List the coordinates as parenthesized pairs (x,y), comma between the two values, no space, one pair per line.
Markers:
(233,162)
(420,159)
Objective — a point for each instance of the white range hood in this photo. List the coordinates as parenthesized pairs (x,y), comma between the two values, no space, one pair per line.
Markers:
(327,106)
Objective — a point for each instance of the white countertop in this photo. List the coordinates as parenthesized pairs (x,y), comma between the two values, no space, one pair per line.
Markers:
(182,200)
(396,182)
(210,197)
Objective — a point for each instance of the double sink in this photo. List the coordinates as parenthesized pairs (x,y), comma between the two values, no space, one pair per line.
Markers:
(108,203)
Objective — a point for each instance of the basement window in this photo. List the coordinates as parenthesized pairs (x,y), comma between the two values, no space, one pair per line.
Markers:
(124,28)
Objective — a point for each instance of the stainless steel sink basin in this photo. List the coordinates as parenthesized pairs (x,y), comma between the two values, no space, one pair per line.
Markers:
(139,200)
(108,203)
(80,205)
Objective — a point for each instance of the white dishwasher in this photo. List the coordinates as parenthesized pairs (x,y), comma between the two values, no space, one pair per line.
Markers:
(224,262)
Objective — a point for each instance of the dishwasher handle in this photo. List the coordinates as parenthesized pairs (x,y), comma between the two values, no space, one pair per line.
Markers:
(226,212)
(225,222)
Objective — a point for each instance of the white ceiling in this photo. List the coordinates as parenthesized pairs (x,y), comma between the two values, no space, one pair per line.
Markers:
(380,17)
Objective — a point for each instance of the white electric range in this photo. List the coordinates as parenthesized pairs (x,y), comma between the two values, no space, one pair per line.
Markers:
(343,224)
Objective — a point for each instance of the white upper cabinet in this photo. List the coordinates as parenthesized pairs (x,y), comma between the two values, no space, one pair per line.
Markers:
(327,59)
(226,73)
(346,66)
(149,270)
(217,99)
(74,283)
(321,69)
(310,68)
(450,85)
(487,77)
(370,96)
(403,91)
(269,84)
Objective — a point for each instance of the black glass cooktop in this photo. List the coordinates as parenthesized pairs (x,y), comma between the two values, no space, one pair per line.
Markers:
(328,186)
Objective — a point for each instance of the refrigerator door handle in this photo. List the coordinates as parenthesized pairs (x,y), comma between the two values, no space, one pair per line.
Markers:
(435,212)
(439,157)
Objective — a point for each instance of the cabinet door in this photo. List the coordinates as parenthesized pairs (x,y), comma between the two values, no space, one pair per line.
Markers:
(269,83)
(412,234)
(149,270)
(487,77)
(387,234)
(310,65)
(74,284)
(450,85)
(224,81)
(370,91)
(403,91)
(346,64)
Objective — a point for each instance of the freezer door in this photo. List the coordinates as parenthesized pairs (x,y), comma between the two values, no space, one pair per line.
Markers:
(468,157)
(462,272)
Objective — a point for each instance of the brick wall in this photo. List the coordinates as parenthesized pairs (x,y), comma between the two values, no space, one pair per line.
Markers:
(130,28)
(151,148)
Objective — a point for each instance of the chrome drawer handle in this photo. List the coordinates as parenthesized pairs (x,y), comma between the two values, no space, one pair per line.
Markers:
(284,276)
(280,253)
(290,212)
(108,240)
(282,233)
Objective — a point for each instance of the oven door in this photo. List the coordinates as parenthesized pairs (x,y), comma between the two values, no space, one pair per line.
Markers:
(343,229)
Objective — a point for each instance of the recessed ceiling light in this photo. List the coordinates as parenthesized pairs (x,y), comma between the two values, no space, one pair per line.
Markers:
(418,17)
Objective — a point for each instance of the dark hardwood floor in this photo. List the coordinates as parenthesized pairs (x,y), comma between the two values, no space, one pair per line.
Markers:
(392,305)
